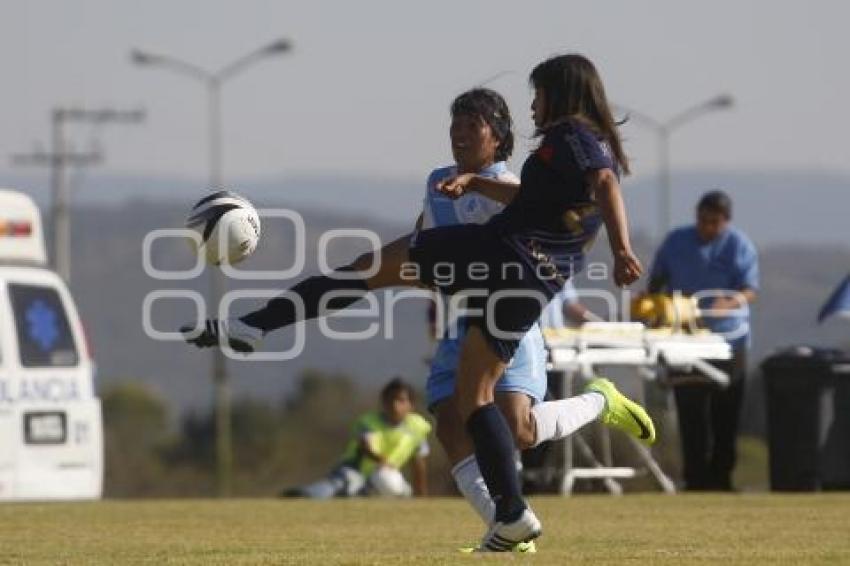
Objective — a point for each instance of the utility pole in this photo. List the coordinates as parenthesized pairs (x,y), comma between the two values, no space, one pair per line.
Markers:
(58,158)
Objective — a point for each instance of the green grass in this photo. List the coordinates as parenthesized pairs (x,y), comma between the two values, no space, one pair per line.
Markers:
(648,529)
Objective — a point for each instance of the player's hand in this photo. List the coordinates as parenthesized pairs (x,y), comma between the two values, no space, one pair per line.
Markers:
(457,186)
(627,268)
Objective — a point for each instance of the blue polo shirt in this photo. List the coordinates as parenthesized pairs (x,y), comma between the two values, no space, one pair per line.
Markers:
(729,262)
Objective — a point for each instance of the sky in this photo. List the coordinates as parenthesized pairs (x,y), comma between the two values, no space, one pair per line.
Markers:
(367,87)
(365,92)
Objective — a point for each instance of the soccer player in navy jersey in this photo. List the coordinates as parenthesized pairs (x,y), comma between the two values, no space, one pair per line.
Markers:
(509,267)
(482,139)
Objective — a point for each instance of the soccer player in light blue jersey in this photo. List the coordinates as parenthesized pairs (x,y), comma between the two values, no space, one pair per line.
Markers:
(482,140)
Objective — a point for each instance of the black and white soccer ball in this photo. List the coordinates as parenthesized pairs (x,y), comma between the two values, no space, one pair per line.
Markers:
(228,226)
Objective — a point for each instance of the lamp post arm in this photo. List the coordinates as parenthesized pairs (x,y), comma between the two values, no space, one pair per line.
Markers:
(228,71)
(645,120)
(239,65)
(172,63)
(717,103)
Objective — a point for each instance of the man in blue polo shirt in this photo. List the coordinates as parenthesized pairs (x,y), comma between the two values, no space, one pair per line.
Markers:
(719,264)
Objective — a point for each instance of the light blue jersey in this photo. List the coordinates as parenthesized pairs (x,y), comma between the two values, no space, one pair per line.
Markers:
(527,370)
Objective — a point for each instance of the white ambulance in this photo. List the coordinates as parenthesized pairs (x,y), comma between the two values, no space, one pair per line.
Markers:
(51,434)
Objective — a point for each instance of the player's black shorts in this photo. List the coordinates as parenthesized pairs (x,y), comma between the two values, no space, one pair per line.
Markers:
(474,260)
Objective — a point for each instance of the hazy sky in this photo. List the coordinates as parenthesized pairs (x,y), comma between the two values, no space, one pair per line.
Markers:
(366,90)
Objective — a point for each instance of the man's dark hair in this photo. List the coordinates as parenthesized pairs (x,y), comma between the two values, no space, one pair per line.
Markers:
(491,107)
(395,386)
(716,201)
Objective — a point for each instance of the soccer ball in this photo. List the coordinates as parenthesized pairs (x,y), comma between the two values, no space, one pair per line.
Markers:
(228,226)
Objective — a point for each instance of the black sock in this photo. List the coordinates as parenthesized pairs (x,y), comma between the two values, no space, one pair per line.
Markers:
(280,311)
(494,450)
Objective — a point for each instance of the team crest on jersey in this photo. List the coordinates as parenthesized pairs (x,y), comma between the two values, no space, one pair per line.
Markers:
(546,152)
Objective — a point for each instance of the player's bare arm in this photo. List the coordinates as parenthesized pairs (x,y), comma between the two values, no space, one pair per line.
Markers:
(606,191)
(495,189)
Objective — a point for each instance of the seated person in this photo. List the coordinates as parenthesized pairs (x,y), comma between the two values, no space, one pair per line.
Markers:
(382,443)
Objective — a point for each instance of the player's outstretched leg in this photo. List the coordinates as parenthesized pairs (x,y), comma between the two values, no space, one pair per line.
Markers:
(318,295)
(555,420)
(623,413)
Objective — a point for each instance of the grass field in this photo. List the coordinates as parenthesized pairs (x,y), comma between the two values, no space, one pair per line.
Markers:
(651,529)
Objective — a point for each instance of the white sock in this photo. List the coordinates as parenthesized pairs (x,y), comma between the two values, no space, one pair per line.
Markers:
(470,483)
(559,419)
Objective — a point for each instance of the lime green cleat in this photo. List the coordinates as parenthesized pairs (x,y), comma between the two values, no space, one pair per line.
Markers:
(526,547)
(523,547)
(623,413)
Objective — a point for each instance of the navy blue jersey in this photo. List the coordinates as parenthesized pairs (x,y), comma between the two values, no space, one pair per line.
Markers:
(553,220)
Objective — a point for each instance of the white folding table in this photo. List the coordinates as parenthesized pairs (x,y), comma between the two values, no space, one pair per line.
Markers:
(652,353)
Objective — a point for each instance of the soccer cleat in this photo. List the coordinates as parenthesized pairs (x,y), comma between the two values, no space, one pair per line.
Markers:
(526,547)
(521,548)
(241,337)
(504,537)
(623,413)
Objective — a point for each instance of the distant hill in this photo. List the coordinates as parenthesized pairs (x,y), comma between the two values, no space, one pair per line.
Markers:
(800,207)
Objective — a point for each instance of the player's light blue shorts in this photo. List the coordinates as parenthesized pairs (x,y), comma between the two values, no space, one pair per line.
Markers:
(525,374)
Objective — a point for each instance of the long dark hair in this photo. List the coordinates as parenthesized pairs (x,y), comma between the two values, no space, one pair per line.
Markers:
(491,107)
(572,89)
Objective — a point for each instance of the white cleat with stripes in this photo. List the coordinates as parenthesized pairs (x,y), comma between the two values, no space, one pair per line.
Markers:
(504,537)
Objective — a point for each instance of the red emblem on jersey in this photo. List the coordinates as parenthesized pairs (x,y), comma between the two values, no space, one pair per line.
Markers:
(546,152)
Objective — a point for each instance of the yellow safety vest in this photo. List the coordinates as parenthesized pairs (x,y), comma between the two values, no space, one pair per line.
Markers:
(396,444)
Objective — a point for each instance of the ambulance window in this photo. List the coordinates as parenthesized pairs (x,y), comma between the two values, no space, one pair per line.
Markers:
(44,333)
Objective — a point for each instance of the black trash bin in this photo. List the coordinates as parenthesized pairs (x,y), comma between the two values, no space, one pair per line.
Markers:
(807,389)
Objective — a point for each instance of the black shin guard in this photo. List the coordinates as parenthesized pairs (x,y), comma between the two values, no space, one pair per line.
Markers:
(494,450)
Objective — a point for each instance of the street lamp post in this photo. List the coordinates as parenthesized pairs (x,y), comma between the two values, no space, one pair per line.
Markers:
(213,81)
(663,132)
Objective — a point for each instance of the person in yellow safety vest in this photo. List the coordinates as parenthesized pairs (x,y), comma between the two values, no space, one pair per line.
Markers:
(382,443)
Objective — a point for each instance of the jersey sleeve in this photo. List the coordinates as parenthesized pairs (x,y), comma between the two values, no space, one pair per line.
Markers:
(360,429)
(746,266)
(427,212)
(424,449)
(431,180)
(508,177)
(575,148)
